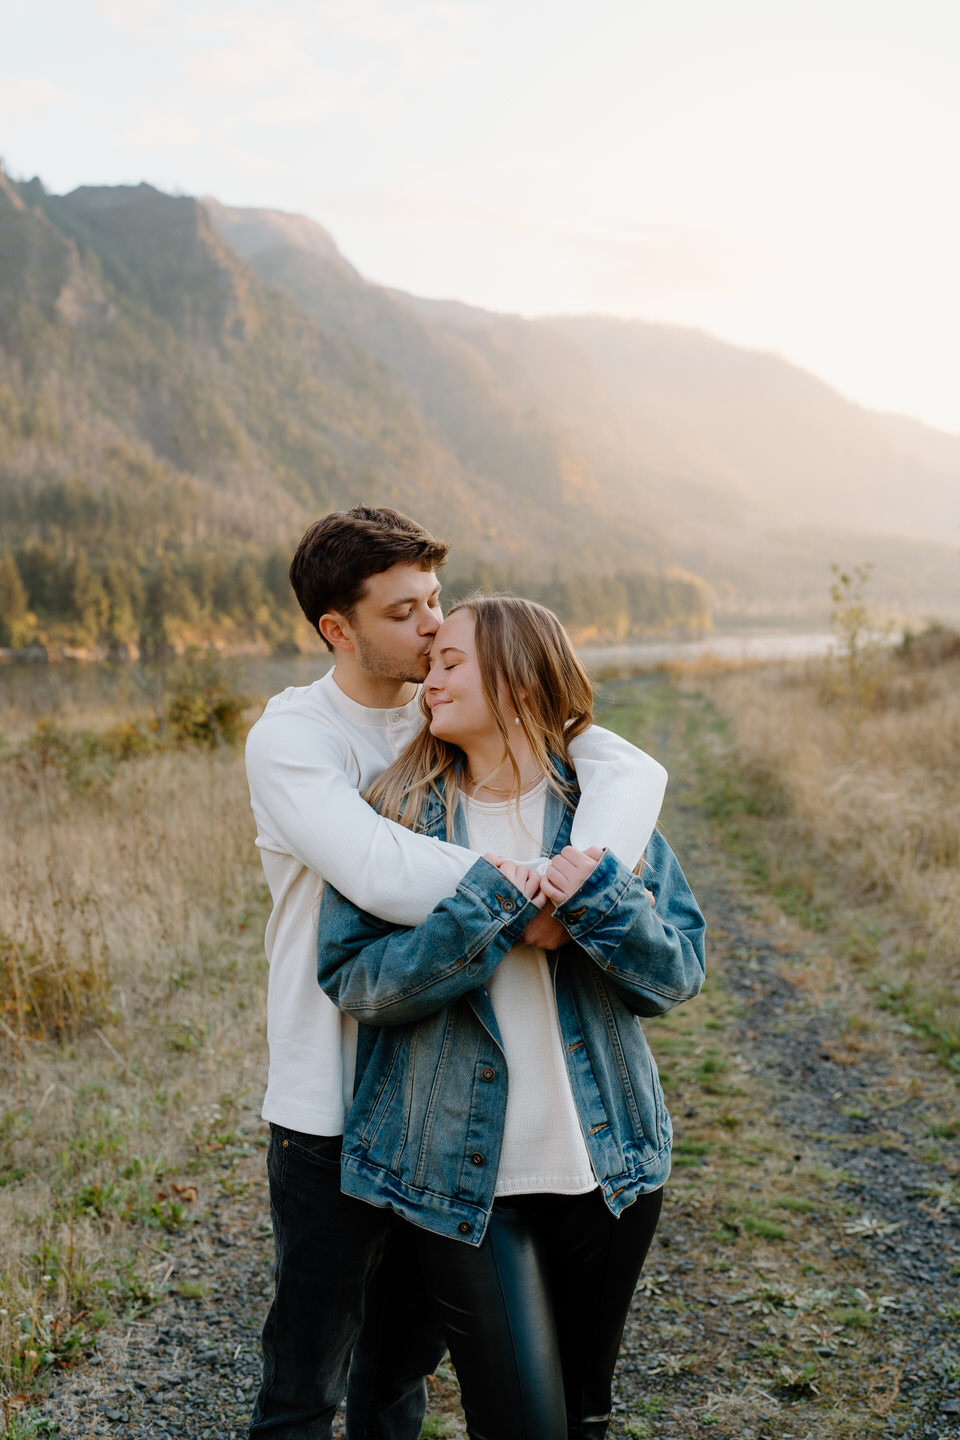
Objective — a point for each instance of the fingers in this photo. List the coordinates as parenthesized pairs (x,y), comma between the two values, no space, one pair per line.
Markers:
(552,891)
(522,876)
(568,870)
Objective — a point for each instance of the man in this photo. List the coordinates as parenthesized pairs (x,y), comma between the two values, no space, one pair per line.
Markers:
(366,581)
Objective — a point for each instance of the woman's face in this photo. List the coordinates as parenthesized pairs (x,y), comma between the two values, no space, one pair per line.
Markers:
(453,690)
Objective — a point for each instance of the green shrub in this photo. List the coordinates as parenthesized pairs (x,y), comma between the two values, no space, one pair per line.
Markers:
(201,708)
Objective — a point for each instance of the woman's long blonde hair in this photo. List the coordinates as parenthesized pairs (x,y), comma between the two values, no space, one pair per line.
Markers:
(524,645)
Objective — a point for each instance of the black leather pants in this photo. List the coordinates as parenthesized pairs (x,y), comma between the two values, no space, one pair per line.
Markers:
(533,1317)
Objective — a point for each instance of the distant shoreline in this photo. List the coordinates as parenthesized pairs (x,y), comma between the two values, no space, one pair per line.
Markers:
(756,644)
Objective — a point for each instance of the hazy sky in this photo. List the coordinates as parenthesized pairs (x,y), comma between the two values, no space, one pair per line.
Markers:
(784,175)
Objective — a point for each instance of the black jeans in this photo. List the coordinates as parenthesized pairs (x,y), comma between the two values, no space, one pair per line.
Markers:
(346,1283)
(534,1316)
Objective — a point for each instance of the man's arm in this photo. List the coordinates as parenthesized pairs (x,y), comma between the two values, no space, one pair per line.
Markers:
(621,791)
(307,805)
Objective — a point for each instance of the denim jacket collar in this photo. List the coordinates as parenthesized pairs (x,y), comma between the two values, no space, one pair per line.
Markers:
(557,820)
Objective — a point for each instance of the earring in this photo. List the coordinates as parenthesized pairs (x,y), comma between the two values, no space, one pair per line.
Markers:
(516,719)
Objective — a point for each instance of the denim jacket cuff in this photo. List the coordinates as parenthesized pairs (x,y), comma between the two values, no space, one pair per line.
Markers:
(600,892)
(503,899)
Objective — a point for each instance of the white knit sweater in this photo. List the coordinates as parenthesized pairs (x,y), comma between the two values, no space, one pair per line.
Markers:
(543,1149)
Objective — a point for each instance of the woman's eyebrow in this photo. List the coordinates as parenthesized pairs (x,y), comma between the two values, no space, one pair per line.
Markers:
(447,650)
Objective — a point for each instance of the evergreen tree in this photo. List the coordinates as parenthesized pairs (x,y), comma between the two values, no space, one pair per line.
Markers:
(90,603)
(14,616)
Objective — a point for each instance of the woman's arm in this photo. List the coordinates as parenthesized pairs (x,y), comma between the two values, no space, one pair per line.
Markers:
(653,953)
(388,976)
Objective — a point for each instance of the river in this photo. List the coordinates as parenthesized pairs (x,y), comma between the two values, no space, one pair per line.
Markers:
(84,692)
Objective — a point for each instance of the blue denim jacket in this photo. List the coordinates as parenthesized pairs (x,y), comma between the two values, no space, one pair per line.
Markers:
(424,1132)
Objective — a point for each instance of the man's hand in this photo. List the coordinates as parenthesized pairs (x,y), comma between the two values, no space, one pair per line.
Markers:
(567,872)
(544,931)
(522,876)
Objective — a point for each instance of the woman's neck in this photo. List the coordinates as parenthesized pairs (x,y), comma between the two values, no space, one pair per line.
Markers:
(488,771)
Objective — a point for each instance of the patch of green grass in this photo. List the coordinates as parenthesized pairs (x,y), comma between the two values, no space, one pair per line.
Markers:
(434,1428)
(766,1229)
(689,1152)
(724,1234)
(650,1405)
(797,1204)
(853,1317)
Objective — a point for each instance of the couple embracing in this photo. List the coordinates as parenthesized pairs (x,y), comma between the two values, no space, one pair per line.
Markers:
(471,909)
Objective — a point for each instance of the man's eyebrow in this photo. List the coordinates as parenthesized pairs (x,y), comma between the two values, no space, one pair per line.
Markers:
(408,600)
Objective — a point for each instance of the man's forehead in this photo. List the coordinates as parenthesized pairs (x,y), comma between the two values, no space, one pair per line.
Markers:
(400,584)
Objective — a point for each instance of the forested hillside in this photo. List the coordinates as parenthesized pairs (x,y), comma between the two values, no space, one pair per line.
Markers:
(184,386)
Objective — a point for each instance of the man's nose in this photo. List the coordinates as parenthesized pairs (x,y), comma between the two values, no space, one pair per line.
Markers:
(430,621)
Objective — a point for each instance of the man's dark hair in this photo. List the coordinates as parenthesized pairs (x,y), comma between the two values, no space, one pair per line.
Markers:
(339,553)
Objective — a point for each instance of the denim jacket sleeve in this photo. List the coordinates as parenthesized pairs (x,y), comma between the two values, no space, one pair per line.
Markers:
(654,954)
(388,975)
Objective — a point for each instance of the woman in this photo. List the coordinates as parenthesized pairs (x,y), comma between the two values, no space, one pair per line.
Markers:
(506,1102)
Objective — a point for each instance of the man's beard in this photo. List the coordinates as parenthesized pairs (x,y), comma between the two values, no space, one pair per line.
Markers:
(377,661)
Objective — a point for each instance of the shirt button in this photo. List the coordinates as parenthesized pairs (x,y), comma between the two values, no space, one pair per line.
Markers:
(464,1227)
(487,1073)
(476,1159)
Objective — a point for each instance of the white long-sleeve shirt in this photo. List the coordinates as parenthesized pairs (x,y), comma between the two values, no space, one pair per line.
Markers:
(308,757)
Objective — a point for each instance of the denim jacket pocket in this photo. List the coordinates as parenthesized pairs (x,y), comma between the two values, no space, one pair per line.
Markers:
(376,1095)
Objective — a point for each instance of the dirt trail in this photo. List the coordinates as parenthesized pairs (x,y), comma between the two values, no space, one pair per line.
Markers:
(805,1282)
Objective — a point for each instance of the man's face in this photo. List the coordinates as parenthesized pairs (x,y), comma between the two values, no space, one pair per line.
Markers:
(395,621)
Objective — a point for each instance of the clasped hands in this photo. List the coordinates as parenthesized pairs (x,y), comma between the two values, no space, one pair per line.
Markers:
(562,878)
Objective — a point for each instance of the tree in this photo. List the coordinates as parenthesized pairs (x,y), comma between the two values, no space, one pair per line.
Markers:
(90,602)
(15,619)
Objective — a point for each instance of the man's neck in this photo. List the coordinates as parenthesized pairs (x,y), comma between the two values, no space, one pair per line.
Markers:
(375,692)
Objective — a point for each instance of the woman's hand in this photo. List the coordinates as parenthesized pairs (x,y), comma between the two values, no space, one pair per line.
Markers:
(567,872)
(522,876)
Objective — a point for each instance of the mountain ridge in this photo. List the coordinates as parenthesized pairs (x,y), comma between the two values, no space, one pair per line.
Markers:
(179,377)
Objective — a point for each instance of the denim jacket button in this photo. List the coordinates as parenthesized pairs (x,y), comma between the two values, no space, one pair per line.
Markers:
(476,1159)
(507,905)
(464,1227)
(487,1073)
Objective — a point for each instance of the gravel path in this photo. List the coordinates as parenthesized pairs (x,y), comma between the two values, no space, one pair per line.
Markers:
(836,1081)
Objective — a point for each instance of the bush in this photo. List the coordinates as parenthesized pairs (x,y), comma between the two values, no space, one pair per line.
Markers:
(201,708)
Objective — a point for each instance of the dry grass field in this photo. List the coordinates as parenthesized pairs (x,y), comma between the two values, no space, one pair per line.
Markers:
(132,969)
(131,993)
(841,786)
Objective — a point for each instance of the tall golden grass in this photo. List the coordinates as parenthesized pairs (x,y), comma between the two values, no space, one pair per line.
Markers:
(860,786)
(131,1025)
